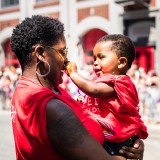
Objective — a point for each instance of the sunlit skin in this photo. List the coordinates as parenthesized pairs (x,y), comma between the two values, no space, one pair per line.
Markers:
(105,60)
(49,55)
(58,68)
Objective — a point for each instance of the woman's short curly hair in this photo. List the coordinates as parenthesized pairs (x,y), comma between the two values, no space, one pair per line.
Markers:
(35,30)
(122,45)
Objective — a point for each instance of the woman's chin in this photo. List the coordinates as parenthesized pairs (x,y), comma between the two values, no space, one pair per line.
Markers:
(61,80)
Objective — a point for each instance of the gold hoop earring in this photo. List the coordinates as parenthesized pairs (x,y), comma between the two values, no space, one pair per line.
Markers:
(43,75)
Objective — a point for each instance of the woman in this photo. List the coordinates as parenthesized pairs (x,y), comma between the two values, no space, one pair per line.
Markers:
(47,123)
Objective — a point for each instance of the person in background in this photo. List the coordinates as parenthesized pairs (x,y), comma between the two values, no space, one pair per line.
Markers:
(47,123)
(112,98)
(152,97)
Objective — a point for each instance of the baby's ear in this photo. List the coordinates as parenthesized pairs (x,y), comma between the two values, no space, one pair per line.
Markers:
(122,62)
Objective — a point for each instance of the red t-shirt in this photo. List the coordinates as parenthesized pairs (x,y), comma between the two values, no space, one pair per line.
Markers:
(28,112)
(119,113)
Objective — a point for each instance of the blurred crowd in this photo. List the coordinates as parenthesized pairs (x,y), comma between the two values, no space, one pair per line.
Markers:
(148,87)
(8,79)
(147,84)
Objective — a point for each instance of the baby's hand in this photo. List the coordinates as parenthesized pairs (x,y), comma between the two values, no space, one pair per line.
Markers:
(70,67)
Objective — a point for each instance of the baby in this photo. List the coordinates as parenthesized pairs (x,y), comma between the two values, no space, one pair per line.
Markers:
(112,98)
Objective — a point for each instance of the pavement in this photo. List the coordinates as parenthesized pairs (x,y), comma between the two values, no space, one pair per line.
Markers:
(152,143)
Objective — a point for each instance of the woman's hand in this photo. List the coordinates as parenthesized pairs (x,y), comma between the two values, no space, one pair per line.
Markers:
(135,152)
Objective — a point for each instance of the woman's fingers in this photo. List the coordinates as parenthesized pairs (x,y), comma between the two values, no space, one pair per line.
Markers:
(135,152)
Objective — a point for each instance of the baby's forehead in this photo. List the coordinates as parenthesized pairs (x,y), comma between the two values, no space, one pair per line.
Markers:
(105,45)
(104,48)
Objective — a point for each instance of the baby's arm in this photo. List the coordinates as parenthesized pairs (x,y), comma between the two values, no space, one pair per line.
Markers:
(87,86)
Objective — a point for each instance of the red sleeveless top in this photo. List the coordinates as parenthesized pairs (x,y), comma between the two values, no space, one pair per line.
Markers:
(28,112)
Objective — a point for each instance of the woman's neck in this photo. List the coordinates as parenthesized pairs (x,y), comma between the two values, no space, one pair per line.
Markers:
(43,81)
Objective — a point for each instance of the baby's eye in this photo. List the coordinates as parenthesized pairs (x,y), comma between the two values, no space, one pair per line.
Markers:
(100,56)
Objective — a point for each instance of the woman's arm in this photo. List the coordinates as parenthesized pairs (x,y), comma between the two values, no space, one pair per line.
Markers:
(69,136)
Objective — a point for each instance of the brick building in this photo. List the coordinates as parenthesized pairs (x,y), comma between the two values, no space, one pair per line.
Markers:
(86,21)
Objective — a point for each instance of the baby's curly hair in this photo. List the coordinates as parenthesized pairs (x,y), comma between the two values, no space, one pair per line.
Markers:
(35,30)
(122,45)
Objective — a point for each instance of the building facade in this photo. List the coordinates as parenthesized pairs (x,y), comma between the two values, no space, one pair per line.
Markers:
(141,22)
(85,22)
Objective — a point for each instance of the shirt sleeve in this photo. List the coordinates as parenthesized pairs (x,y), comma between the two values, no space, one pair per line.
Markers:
(126,98)
(127,95)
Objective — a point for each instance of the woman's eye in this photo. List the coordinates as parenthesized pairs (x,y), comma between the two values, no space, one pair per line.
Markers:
(62,52)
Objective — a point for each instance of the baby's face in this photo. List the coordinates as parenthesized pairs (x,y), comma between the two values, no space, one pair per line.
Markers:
(105,60)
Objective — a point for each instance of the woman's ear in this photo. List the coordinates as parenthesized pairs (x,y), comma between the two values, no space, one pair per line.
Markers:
(122,62)
(39,50)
